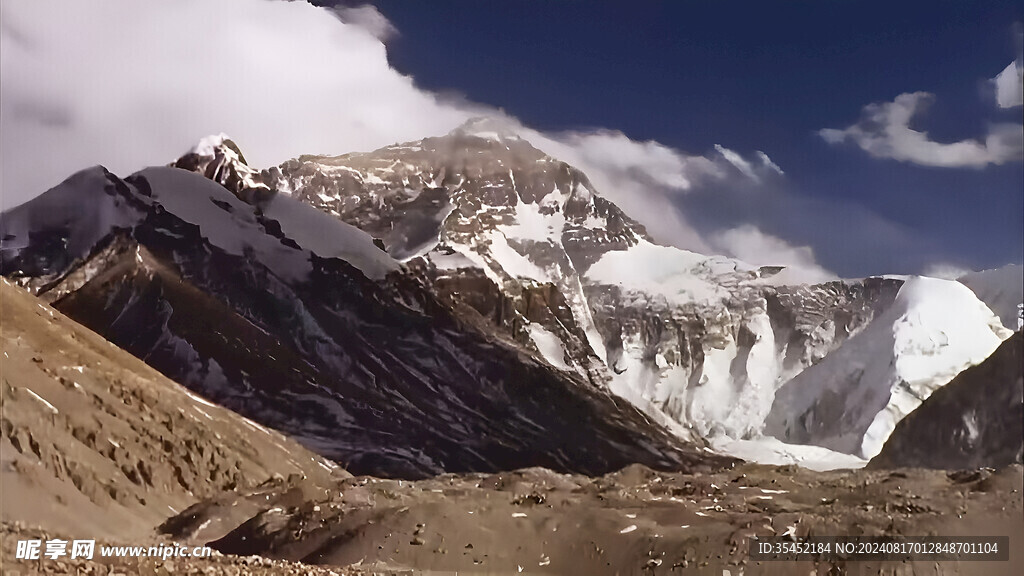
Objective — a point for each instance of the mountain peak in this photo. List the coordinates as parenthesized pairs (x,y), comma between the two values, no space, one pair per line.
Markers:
(208,145)
(218,158)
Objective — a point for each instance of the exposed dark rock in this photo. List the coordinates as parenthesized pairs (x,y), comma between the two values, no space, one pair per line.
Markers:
(974,421)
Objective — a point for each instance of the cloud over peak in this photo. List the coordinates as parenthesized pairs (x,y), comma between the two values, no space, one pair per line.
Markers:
(750,244)
(368,18)
(884,132)
(755,171)
(130,84)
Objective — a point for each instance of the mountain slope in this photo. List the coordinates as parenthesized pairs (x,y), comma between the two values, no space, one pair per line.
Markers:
(974,421)
(302,323)
(852,400)
(96,442)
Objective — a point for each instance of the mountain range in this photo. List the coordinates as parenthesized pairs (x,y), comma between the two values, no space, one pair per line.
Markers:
(467,304)
(432,280)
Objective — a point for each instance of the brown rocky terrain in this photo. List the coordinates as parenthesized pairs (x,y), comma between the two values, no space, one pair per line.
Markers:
(635,521)
(534,521)
(95,442)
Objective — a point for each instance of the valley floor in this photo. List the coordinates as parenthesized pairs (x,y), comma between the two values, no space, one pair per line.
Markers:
(636,521)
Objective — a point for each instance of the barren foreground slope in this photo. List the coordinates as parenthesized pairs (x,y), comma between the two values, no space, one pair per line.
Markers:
(98,444)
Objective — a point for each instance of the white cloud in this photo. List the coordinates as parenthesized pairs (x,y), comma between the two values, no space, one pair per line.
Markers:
(641,177)
(737,161)
(368,18)
(755,171)
(884,132)
(750,244)
(660,165)
(945,271)
(767,163)
(128,84)
(644,178)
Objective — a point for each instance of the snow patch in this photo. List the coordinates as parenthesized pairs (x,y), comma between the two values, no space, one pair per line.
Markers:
(512,262)
(549,345)
(371,178)
(83,209)
(531,224)
(42,400)
(453,261)
(595,222)
(208,146)
(771,451)
(653,269)
(327,237)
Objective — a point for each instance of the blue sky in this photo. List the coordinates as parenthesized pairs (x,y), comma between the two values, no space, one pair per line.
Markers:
(759,76)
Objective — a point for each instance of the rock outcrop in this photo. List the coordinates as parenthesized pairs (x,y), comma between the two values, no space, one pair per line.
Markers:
(977,420)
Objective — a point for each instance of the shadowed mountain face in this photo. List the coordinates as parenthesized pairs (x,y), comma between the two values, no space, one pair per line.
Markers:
(976,420)
(300,322)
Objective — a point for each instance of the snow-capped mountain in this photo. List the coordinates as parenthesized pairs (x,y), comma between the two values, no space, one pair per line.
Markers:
(480,207)
(302,323)
(468,206)
(461,265)
(700,343)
